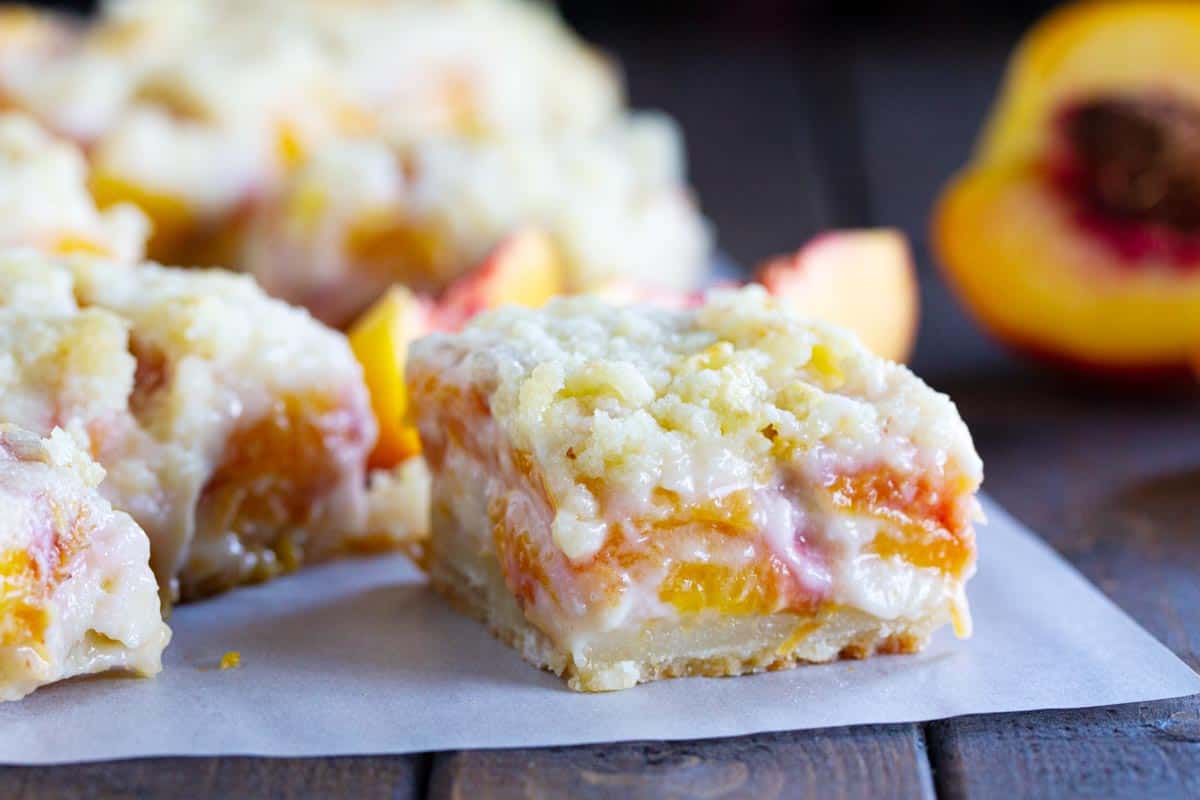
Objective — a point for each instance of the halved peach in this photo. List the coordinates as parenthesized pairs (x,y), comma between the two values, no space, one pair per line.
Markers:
(860,279)
(1075,233)
(1022,264)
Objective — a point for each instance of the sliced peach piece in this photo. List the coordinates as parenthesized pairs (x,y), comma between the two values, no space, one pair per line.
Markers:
(380,342)
(525,269)
(863,280)
(1075,233)
(172,222)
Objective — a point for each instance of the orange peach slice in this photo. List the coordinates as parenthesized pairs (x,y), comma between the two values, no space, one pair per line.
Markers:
(380,340)
(525,269)
(173,223)
(862,280)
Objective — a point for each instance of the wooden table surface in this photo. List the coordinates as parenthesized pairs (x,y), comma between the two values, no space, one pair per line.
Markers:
(790,133)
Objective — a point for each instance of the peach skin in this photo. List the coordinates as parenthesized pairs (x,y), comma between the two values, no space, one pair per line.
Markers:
(863,280)
(524,269)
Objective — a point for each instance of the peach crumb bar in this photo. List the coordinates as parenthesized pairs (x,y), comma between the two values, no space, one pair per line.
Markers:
(628,494)
(76,592)
(233,428)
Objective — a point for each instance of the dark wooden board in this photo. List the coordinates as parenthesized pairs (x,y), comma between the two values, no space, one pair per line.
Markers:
(360,778)
(879,762)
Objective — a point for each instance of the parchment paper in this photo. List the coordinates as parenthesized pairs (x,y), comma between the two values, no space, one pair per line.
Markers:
(360,657)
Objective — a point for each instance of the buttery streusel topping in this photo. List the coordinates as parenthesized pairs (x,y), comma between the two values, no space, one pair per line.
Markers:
(735,395)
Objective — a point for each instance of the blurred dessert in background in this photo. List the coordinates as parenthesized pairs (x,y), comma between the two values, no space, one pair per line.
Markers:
(1074,233)
(360,216)
(45,203)
(452,157)
(361,142)
(76,592)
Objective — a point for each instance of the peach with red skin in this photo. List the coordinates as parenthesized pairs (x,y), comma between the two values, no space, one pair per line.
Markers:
(863,280)
(524,269)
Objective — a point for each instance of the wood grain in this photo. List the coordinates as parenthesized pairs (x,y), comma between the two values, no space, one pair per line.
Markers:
(877,762)
(362,778)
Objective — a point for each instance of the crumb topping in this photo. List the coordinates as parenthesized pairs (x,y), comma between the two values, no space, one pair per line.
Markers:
(637,411)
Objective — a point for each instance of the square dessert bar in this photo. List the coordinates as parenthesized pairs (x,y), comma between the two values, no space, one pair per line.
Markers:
(627,494)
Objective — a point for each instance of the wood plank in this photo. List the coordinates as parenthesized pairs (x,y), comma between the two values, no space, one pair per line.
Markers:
(1142,750)
(392,777)
(742,105)
(923,95)
(879,762)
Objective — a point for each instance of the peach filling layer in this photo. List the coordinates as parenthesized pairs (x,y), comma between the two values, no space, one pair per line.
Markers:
(1130,167)
(711,556)
(737,571)
(274,473)
(23,615)
(27,577)
(931,523)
